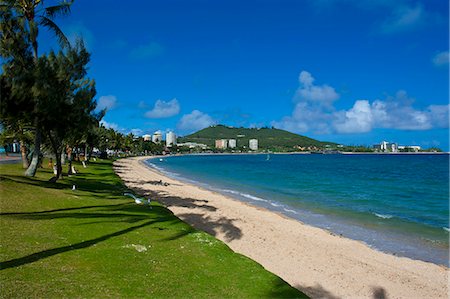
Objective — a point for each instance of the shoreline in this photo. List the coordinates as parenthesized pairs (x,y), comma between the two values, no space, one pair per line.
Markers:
(383,239)
(310,258)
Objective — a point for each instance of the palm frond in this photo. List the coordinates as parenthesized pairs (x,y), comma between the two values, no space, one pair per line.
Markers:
(62,39)
(56,10)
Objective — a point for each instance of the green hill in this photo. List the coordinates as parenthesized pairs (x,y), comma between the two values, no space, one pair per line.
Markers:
(268,138)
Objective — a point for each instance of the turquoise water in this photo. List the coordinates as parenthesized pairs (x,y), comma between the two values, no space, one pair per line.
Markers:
(394,203)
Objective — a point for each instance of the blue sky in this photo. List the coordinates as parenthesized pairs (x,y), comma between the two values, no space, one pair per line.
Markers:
(348,71)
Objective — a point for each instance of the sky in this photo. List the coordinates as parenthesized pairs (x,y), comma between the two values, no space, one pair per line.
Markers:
(355,72)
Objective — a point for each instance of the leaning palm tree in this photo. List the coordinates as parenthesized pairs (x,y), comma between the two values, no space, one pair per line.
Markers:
(34,14)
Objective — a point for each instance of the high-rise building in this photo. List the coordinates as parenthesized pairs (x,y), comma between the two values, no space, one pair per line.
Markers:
(253,144)
(157,137)
(232,143)
(221,143)
(171,139)
(147,137)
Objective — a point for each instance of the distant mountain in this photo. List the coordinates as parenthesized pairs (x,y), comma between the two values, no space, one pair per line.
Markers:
(268,138)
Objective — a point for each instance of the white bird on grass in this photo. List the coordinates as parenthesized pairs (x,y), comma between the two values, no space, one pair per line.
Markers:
(73,188)
(139,201)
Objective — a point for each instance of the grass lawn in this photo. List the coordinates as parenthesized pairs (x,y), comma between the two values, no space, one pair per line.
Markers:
(95,242)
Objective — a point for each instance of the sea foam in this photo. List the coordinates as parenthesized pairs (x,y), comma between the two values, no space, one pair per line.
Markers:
(383,216)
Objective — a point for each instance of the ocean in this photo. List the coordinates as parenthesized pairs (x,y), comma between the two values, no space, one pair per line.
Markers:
(394,203)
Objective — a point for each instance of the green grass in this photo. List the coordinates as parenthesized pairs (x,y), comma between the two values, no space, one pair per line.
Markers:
(55,242)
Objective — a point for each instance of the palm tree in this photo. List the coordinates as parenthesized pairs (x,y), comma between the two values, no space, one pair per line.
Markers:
(17,130)
(33,14)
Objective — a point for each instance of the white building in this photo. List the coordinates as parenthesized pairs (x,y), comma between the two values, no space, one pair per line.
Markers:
(171,139)
(253,144)
(157,137)
(232,143)
(221,143)
(193,145)
(147,137)
(387,147)
(409,148)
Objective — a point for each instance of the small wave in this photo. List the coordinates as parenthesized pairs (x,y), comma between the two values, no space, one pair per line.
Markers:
(446,228)
(276,204)
(383,216)
(255,198)
(291,211)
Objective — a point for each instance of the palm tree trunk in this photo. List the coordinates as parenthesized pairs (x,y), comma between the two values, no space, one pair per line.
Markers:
(63,157)
(56,150)
(31,171)
(58,165)
(23,151)
(69,153)
(86,152)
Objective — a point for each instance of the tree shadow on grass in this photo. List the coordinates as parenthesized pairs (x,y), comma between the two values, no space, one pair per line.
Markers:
(32,181)
(63,210)
(85,244)
(125,212)
(120,213)
(98,187)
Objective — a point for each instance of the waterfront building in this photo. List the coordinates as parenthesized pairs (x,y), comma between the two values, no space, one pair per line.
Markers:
(193,145)
(157,137)
(221,143)
(171,139)
(386,147)
(253,144)
(232,143)
(409,148)
(147,137)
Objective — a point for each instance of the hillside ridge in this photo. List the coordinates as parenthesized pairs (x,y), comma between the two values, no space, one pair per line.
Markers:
(268,138)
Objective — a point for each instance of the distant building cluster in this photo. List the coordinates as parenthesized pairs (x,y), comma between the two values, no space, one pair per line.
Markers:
(232,143)
(193,145)
(390,147)
(171,138)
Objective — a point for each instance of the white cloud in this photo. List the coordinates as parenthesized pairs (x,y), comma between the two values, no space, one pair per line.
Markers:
(306,118)
(314,93)
(404,18)
(149,50)
(163,109)
(395,112)
(441,59)
(195,120)
(359,119)
(106,102)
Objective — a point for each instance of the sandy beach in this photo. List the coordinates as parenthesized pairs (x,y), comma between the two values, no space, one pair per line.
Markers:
(315,261)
